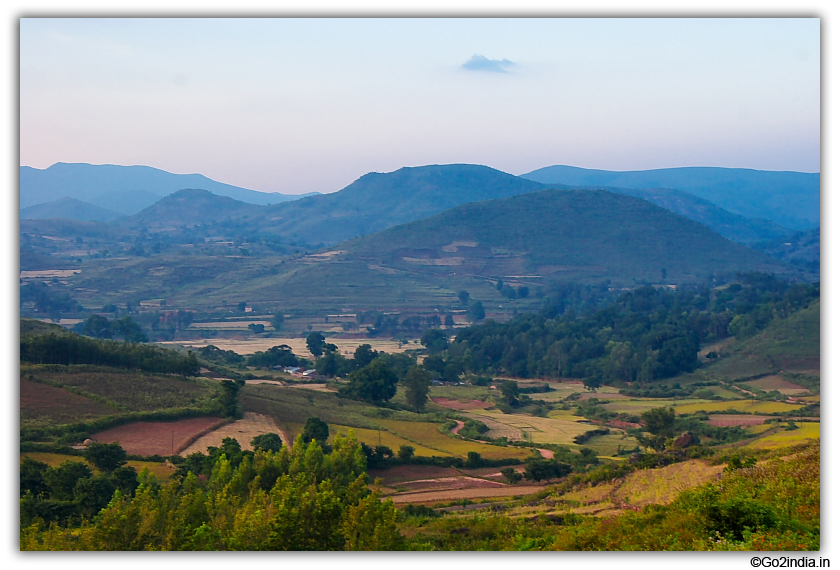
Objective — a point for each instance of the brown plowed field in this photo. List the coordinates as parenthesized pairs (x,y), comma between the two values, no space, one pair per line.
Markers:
(440,496)
(157,438)
(462,405)
(729,420)
(243,431)
(59,405)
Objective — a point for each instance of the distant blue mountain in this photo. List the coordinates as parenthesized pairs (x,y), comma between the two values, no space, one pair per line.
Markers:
(103,185)
(70,209)
(789,199)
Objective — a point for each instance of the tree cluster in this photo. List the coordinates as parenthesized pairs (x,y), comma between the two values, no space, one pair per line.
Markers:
(295,499)
(67,349)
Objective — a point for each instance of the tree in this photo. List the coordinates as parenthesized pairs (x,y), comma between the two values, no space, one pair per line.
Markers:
(267,442)
(363,356)
(98,326)
(127,329)
(105,456)
(659,421)
(434,340)
(511,476)
(509,389)
(277,321)
(315,343)
(417,382)
(376,383)
(475,312)
(545,469)
(405,453)
(229,398)
(257,328)
(463,296)
(449,321)
(315,429)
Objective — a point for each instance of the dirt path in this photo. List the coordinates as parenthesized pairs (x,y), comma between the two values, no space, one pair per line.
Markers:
(546,453)
(457,428)
(243,431)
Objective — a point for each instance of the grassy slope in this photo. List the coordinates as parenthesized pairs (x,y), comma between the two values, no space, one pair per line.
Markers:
(585,233)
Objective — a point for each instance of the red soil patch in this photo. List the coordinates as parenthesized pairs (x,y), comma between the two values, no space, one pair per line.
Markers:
(729,420)
(158,438)
(450,484)
(462,405)
(38,400)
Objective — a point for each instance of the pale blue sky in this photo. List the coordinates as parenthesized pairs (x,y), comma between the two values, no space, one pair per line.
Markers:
(296,105)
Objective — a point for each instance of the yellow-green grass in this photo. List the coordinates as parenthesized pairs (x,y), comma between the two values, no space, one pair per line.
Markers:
(661,486)
(382,437)
(607,445)
(724,393)
(812,399)
(536,429)
(760,428)
(429,435)
(749,406)
(784,438)
(590,495)
(159,470)
(637,406)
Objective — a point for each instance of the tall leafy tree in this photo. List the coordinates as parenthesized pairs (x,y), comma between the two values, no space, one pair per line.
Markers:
(417,382)
(376,383)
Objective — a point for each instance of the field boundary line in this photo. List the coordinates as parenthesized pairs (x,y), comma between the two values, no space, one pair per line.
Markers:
(192,439)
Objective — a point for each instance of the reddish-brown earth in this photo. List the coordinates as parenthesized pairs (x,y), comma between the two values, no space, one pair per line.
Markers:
(462,405)
(41,400)
(729,420)
(158,438)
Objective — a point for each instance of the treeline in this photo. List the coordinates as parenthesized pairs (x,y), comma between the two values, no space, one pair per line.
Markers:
(643,335)
(68,349)
(298,499)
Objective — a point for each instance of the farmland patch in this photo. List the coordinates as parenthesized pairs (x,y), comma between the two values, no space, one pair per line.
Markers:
(803,432)
(462,404)
(158,438)
(41,402)
(729,420)
(776,382)
(243,431)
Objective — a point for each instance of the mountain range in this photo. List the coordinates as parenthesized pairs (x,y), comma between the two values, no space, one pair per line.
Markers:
(789,199)
(125,189)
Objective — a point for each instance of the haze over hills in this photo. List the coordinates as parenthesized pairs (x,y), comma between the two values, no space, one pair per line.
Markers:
(790,199)
(91,183)
(378,201)
(69,208)
(570,233)
(189,207)
(737,228)
(531,239)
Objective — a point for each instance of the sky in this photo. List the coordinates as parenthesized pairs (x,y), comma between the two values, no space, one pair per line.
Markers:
(297,105)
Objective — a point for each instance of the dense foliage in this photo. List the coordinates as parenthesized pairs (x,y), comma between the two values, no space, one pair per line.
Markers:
(298,499)
(70,349)
(645,334)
